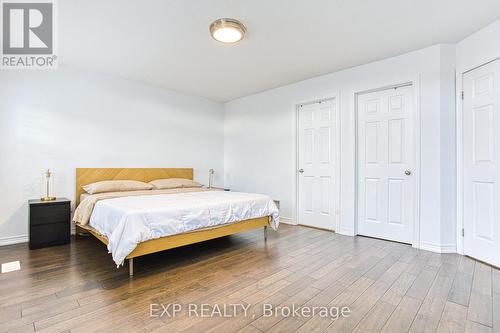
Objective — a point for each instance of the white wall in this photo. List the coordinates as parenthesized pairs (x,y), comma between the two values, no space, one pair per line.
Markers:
(448,152)
(65,119)
(259,136)
(478,48)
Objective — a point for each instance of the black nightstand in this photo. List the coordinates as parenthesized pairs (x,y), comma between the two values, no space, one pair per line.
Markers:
(49,222)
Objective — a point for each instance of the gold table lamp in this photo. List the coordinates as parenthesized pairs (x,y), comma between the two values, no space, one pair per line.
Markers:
(47,197)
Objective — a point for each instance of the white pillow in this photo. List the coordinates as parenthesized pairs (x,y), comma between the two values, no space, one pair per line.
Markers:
(116,186)
(161,184)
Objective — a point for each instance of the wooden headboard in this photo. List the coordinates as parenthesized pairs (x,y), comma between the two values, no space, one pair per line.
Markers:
(85,176)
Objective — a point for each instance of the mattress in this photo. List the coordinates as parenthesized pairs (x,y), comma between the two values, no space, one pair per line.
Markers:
(132,219)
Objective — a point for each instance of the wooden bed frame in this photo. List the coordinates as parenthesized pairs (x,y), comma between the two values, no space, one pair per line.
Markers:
(86,176)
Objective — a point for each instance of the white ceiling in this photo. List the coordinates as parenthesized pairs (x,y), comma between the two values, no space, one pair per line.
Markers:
(166,42)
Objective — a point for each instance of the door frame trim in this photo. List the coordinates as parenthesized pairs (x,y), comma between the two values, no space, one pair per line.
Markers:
(459,79)
(414,82)
(328,96)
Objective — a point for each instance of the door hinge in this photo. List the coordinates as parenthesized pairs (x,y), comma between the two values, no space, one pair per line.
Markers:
(463,232)
(462,94)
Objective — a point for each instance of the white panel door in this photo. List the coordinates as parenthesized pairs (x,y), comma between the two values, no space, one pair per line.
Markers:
(481,127)
(317,156)
(386,153)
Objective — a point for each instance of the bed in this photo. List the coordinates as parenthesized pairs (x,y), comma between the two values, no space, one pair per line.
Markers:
(136,224)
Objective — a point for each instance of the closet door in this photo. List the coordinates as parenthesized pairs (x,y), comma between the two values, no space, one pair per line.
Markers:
(386,191)
(316,144)
(481,130)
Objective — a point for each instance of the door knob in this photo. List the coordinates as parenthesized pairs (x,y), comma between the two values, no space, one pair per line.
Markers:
(407,172)
(301,170)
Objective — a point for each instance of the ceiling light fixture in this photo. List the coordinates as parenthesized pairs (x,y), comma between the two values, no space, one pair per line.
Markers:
(227,30)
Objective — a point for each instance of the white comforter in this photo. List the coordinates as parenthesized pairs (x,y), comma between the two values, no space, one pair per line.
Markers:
(127,221)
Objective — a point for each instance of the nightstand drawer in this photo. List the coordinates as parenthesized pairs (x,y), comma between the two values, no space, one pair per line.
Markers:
(49,234)
(51,214)
(50,222)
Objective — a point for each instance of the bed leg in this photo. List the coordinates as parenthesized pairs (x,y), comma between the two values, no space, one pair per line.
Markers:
(265,233)
(131,267)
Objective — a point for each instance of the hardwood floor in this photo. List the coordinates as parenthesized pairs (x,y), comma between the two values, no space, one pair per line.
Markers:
(388,287)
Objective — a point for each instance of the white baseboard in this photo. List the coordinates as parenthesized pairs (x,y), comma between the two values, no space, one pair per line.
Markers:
(287,220)
(14,240)
(345,232)
(427,246)
(438,248)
